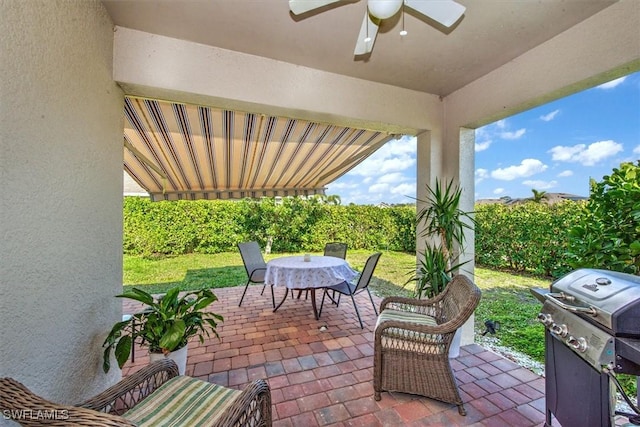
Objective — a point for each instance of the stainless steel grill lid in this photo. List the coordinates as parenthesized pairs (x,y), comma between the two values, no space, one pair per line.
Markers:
(609,298)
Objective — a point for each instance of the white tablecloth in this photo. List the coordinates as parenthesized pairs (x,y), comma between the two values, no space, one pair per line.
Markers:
(294,273)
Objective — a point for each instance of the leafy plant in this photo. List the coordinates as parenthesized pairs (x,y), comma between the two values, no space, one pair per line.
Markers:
(445,222)
(609,234)
(165,325)
(433,273)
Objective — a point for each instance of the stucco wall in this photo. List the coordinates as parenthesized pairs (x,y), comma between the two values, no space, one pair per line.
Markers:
(61,205)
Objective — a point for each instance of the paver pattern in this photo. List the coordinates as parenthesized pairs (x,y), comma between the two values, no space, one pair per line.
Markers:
(325,378)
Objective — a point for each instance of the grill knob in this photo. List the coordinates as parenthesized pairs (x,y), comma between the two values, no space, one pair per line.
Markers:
(580,344)
(560,330)
(545,319)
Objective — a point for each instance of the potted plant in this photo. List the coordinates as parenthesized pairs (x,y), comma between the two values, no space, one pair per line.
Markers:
(444,227)
(165,325)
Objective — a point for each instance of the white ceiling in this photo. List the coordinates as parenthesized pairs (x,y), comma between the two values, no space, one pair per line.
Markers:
(429,59)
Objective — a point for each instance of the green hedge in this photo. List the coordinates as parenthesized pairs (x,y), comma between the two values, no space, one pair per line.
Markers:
(530,237)
(290,225)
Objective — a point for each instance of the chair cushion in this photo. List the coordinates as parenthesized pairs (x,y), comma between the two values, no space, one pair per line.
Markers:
(183,401)
(408,340)
(405,316)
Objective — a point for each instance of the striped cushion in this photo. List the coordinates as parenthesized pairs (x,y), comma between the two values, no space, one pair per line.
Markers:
(183,401)
(405,316)
(404,334)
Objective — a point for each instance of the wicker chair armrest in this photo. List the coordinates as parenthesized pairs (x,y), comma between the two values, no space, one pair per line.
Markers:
(128,392)
(18,403)
(420,329)
(251,408)
(429,307)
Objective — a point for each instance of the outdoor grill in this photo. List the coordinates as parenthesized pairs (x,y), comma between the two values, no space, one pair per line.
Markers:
(592,331)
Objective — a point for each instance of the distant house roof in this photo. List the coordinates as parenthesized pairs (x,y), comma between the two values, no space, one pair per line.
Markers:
(549,198)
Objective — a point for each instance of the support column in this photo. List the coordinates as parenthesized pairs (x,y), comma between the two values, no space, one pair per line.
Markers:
(458,164)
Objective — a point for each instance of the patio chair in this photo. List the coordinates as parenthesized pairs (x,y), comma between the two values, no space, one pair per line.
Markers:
(155,395)
(346,288)
(336,249)
(255,267)
(412,340)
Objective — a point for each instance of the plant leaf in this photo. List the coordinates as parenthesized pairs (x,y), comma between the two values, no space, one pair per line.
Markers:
(173,336)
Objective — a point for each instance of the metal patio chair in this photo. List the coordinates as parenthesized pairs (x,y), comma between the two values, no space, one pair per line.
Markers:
(336,249)
(351,289)
(255,267)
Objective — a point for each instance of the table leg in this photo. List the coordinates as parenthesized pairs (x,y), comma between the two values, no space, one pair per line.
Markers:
(313,303)
(281,302)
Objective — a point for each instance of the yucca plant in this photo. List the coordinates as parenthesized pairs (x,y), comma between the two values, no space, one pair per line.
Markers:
(444,227)
(166,324)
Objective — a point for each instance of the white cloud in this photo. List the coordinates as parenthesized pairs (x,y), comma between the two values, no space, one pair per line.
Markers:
(526,168)
(550,116)
(394,156)
(501,123)
(586,155)
(498,191)
(481,175)
(341,186)
(636,150)
(406,189)
(540,185)
(513,135)
(612,83)
(565,173)
(392,178)
(481,146)
(379,188)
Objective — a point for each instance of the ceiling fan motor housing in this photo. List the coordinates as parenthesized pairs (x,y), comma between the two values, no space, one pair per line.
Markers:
(383,9)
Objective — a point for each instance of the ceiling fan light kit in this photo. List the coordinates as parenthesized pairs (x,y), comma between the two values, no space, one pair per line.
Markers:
(384,9)
(445,12)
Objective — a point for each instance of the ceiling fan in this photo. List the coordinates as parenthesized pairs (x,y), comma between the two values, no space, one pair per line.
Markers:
(446,12)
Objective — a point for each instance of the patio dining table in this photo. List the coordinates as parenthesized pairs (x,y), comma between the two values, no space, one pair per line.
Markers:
(293,272)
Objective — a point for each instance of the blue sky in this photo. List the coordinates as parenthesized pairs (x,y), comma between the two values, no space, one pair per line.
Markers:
(555,148)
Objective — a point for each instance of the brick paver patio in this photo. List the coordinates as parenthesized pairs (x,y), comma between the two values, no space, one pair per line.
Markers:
(325,378)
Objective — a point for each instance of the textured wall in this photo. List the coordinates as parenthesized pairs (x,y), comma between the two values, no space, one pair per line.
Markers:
(61,205)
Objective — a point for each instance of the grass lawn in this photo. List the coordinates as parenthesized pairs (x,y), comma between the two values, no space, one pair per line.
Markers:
(506,297)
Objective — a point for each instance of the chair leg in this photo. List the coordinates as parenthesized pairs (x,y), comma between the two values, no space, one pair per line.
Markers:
(263,286)
(245,291)
(324,292)
(357,312)
(333,297)
(273,298)
(372,303)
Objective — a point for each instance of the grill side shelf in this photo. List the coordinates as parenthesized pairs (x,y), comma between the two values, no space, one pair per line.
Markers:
(628,356)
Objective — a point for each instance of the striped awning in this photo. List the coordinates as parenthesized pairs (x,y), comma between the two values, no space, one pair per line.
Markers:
(180,151)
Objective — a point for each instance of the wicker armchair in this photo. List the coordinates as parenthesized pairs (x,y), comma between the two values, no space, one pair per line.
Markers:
(131,401)
(412,340)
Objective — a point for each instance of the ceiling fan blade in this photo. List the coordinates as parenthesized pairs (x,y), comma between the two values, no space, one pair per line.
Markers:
(368,29)
(446,12)
(298,7)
